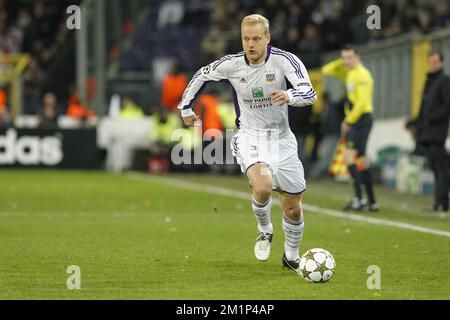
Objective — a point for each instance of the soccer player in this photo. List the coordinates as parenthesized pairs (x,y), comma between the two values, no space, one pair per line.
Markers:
(357,123)
(264,145)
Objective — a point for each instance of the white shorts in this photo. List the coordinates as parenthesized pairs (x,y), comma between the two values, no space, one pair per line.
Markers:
(280,155)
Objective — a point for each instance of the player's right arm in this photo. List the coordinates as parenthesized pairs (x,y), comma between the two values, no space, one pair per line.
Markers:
(215,71)
(335,68)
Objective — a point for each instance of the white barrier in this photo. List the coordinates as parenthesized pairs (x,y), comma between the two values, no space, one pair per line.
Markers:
(120,137)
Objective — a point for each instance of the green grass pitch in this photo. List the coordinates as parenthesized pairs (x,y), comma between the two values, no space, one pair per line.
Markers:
(138,237)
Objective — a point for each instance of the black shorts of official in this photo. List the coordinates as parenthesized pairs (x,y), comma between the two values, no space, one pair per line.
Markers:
(359,134)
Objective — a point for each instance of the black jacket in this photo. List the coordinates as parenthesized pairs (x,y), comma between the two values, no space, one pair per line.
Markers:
(433,121)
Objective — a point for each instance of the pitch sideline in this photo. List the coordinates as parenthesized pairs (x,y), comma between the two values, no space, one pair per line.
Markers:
(246,196)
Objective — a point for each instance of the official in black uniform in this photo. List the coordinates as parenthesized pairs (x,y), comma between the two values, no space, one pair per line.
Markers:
(432,127)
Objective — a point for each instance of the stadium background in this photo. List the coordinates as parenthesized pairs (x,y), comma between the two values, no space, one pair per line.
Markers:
(102,97)
(124,53)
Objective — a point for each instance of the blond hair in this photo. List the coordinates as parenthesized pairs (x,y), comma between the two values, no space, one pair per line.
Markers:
(257,18)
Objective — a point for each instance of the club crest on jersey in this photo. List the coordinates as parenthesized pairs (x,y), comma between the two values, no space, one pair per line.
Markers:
(270,77)
(258,92)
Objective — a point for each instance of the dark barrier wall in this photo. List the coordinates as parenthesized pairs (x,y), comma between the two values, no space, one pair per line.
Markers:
(48,148)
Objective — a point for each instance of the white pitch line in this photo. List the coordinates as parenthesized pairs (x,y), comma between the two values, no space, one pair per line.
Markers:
(247,196)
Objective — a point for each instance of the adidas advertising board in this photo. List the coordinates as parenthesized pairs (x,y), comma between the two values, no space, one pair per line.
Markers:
(48,148)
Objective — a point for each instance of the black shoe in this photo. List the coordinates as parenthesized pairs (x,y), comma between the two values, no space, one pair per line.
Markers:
(293,265)
(372,207)
(437,208)
(354,205)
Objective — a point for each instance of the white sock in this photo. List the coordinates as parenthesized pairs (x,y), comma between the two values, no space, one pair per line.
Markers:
(262,214)
(293,233)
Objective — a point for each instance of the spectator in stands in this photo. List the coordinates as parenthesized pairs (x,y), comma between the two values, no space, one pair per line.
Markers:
(4,118)
(24,20)
(433,124)
(335,21)
(10,37)
(173,86)
(130,110)
(170,13)
(206,106)
(164,123)
(4,114)
(227,114)
(443,14)
(34,77)
(296,17)
(196,13)
(23,23)
(335,30)
(395,29)
(77,110)
(213,45)
(48,117)
(3,99)
(278,28)
(310,46)
(291,43)
(234,44)
(430,19)
(410,20)
(38,28)
(152,110)
(48,54)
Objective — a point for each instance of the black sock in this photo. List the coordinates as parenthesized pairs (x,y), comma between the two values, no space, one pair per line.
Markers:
(357,180)
(367,180)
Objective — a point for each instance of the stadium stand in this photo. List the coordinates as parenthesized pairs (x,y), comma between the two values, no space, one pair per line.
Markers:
(307,27)
(145,39)
(39,29)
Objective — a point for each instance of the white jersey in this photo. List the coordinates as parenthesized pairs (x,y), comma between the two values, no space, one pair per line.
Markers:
(252,85)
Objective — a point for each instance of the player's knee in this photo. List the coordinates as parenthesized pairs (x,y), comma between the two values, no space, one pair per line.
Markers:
(293,212)
(262,191)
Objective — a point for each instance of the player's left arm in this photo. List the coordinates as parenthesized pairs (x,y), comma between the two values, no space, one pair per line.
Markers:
(302,93)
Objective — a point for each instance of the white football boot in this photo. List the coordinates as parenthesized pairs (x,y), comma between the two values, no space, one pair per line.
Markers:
(262,246)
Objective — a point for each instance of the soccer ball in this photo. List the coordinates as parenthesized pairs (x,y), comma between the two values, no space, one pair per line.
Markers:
(317,265)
